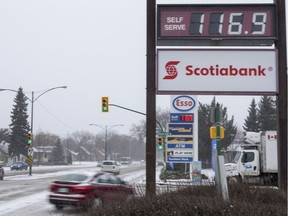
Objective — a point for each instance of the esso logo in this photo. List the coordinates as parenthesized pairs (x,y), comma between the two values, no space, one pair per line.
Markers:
(183,103)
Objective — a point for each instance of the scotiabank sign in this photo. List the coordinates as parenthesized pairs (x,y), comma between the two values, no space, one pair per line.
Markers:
(227,71)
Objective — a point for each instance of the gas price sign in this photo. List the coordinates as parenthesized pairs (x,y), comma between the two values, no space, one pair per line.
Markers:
(217,22)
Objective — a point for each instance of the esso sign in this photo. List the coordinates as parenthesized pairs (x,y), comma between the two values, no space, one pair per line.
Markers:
(183,103)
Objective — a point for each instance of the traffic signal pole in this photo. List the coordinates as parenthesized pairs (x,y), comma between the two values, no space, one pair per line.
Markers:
(30,157)
(220,174)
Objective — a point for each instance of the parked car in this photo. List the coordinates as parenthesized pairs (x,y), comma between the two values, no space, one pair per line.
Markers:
(110,166)
(19,165)
(1,172)
(88,190)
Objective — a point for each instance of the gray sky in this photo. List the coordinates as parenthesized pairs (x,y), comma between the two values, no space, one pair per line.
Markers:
(96,48)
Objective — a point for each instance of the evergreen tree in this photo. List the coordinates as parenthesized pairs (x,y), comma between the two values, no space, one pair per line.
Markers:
(58,153)
(19,126)
(251,122)
(204,141)
(204,124)
(267,114)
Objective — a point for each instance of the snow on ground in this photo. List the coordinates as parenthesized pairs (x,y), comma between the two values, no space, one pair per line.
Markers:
(41,198)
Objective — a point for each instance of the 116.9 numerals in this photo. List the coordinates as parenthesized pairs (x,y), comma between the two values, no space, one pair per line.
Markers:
(235,24)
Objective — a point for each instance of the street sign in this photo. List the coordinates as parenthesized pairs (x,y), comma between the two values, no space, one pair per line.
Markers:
(163,133)
(30,151)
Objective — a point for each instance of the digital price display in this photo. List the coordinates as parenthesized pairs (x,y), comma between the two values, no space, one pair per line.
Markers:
(217,22)
(182,118)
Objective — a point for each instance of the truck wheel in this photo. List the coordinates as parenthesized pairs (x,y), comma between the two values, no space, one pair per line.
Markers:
(235,180)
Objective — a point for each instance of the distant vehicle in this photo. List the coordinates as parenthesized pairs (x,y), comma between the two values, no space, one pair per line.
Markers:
(88,190)
(160,163)
(1,172)
(256,161)
(110,166)
(125,160)
(19,165)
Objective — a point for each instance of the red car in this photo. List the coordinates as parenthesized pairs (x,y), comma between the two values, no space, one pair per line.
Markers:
(88,190)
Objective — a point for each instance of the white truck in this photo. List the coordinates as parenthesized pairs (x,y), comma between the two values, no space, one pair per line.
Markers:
(256,161)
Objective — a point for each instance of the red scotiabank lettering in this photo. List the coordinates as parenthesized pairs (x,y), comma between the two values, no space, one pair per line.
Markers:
(183,103)
(225,71)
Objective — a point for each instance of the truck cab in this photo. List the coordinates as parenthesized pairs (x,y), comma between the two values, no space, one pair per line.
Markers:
(248,162)
(256,160)
(245,163)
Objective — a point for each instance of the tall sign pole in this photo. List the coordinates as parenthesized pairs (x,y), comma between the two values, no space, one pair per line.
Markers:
(151,99)
(282,96)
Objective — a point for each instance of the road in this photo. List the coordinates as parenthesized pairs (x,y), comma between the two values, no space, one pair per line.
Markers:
(21,194)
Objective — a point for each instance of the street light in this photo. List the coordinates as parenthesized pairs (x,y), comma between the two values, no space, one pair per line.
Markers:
(32,100)
(130,146)
(106,128)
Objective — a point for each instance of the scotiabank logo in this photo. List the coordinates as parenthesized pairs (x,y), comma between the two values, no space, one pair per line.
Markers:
(216,70)
(171,70)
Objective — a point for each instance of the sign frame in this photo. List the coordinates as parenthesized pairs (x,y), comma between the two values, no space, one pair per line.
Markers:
(219,84)
(179,23)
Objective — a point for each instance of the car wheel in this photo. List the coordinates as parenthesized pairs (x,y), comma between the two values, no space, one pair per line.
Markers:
(1,178)
(59,207)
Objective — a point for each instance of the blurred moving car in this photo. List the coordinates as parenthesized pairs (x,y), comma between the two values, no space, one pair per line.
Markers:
(19,165)
(1,172)
(88,190)
(110,166)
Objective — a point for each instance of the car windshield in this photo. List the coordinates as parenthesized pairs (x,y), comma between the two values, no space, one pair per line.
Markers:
(76,177)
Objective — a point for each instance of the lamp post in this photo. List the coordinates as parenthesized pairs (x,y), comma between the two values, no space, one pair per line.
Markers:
(32,100)
(105,128)
(130,146)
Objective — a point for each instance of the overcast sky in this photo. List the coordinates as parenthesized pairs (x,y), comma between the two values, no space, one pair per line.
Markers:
(95,48)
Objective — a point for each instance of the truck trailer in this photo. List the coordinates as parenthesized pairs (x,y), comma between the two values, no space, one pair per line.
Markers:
(256,161)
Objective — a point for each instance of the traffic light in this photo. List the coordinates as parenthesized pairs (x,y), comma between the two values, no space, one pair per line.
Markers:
(29,138)
(213,132)
(105,104)
(160,142)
